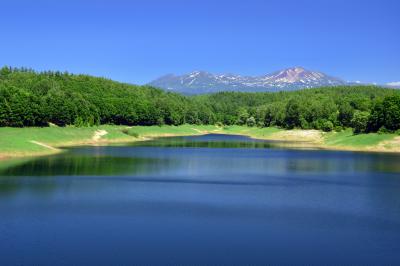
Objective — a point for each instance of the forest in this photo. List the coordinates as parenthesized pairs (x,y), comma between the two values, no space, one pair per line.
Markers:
(29,98)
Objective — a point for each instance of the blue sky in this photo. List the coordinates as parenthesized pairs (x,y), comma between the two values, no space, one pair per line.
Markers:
(137,41)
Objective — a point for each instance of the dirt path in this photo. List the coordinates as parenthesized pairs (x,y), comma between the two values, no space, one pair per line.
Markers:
(206,131)
(98,134)
(44,145)
(198,130)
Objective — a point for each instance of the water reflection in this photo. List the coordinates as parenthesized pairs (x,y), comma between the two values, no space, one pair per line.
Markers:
(210,159)
(211,141)
(76,164)
(197,156)
(210,200)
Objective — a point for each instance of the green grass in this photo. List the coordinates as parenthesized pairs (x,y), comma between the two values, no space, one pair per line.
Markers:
(17,141)
(348,139)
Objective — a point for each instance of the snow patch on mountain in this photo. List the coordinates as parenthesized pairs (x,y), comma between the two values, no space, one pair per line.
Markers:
(198,82)
(393,84)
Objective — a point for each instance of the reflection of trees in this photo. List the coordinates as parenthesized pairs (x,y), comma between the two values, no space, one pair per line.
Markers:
(42,175)
(152,161)
(187,143)
(72,165)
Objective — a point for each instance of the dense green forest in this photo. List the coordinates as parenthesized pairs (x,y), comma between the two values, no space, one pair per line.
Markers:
(29,98)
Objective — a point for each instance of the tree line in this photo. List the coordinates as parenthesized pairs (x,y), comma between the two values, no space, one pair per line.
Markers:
(29,98)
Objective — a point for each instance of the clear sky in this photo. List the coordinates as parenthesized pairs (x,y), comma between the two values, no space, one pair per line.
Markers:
(137,41)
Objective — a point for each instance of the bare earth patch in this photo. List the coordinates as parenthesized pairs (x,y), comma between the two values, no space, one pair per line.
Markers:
(311,136)
(389,145)
(98,134)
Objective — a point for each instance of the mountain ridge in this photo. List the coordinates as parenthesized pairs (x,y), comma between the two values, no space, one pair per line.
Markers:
(199,82)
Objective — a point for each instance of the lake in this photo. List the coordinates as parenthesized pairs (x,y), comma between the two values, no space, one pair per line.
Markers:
(212,199)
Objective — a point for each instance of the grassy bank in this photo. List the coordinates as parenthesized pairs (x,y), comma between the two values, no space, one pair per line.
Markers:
(346,140)
(17,142)
(21,142)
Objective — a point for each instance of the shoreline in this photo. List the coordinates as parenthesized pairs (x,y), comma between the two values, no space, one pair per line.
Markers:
(311,139)
(324,146)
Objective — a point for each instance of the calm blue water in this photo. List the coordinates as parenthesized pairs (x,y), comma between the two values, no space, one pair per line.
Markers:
(212,199)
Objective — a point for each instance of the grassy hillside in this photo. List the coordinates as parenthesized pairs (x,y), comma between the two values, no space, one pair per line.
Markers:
(17,142)
(29,98)
(92,110)
(20,142)
(348,139)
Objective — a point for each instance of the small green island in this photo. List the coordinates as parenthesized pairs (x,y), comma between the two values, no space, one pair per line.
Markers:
(41,112)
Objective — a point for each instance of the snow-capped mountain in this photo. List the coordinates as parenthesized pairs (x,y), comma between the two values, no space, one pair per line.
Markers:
(395,84)
(199,82)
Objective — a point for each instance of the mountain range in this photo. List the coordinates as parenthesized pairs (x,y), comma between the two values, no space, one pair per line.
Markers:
(199,82)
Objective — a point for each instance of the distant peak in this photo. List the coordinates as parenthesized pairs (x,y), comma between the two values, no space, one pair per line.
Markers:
(296,69)
(394,84)
(292,78)
(299,69)
(198,72)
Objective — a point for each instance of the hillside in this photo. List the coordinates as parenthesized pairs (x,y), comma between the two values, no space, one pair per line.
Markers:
(29,98)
